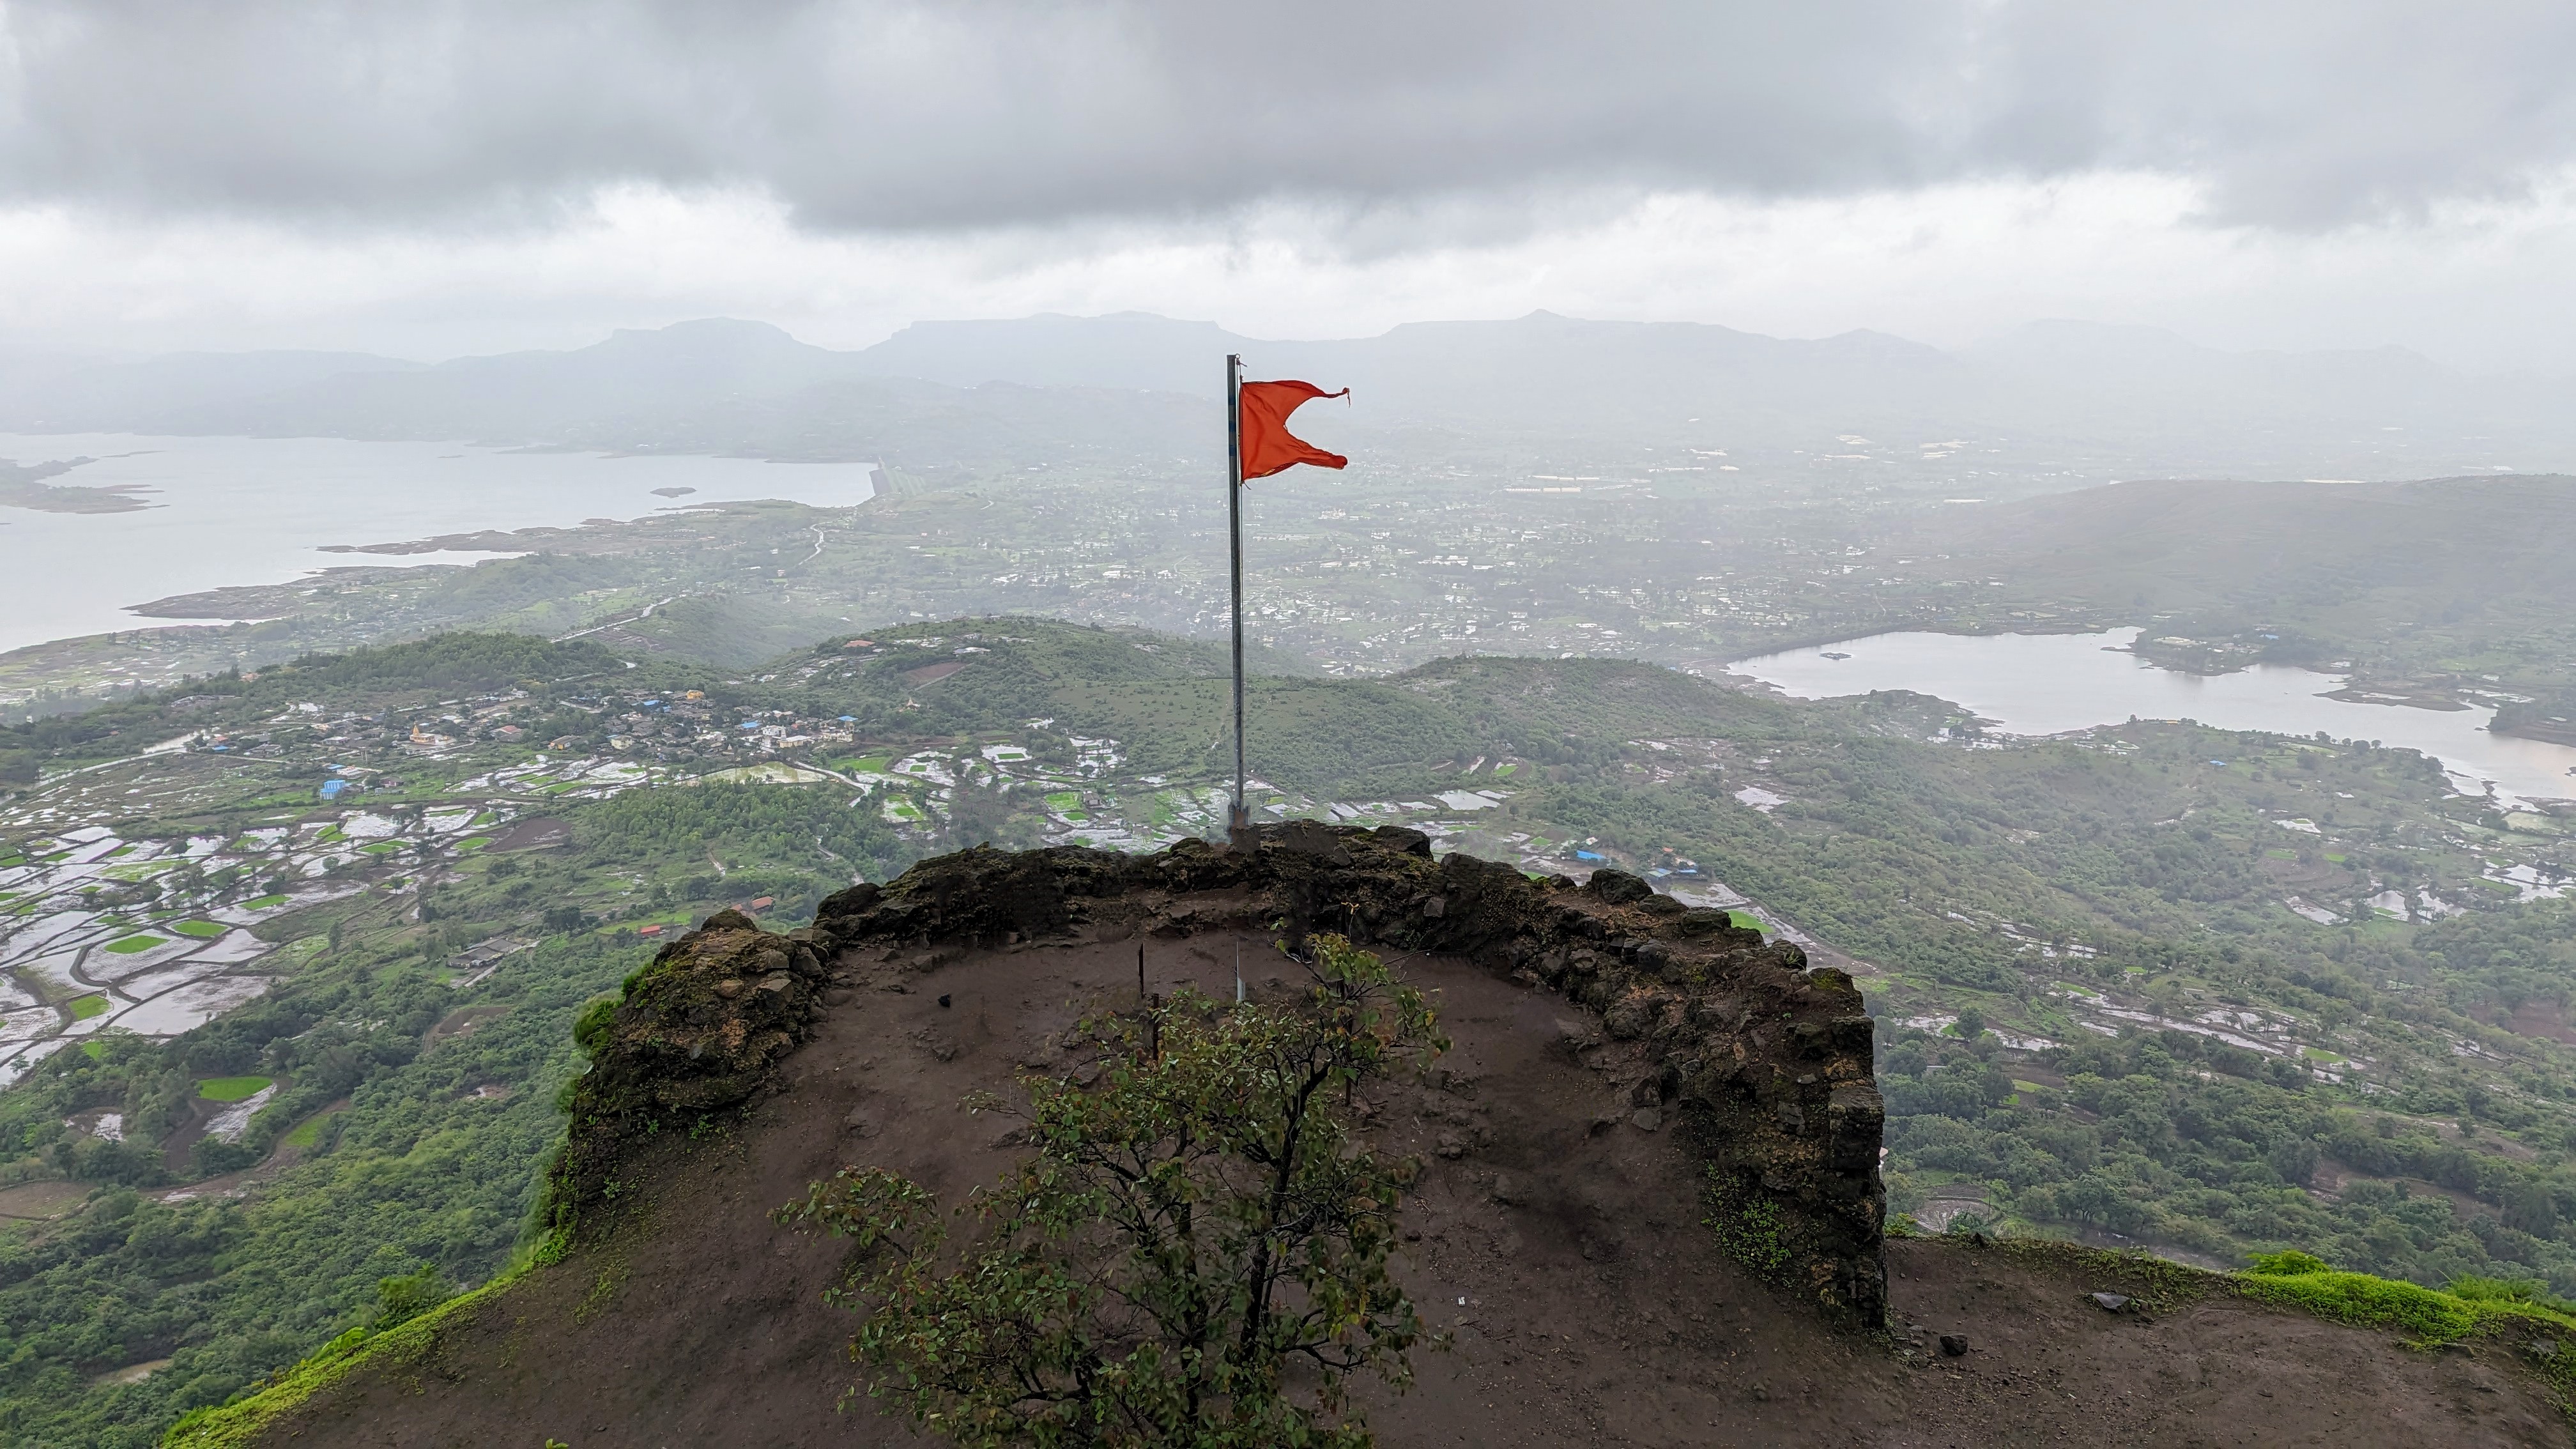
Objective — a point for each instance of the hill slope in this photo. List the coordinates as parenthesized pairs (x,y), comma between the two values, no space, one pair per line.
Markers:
(1556,1232)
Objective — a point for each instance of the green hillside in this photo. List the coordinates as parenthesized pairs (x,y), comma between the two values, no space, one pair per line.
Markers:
(523,821)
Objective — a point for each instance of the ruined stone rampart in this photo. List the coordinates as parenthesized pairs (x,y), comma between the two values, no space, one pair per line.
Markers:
(1769,1063)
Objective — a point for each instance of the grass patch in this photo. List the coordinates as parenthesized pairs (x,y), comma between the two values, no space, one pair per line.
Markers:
(133,944)
(381,847)
(94,1050)
(2320,1054)
(85,1007)
(474,842)
(308,1132)
(2430,1315)
(241,1422)
(264,903)
(1746,920)
(232,1089)
(202,930)
(140,870)
(2469,1307)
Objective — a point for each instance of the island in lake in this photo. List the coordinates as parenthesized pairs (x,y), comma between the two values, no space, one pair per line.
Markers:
(23,485)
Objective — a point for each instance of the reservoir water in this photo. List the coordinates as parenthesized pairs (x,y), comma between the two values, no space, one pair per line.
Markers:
(227,511)
(2045,684)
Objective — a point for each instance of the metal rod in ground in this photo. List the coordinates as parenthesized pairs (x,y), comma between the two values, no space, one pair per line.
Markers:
(1239,819)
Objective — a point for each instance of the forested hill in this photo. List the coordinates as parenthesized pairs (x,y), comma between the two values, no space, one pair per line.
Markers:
(2440,582)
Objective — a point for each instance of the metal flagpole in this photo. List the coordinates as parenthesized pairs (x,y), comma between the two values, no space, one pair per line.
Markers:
(1241,820)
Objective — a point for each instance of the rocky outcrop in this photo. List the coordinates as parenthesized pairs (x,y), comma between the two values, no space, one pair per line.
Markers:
(1768,1062)
(695,1032)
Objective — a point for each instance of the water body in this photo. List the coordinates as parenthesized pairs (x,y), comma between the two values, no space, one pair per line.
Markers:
(2046,684)
(228,511)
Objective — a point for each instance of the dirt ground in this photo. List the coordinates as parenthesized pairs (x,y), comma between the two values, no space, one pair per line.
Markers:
(41,1201)
(1559,1245)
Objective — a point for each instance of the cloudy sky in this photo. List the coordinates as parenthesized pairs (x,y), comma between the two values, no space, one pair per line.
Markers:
(445,176)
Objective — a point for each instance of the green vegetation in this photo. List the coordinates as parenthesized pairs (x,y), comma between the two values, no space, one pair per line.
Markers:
(406,1332)
(416,1169)
(202,930)
(2466,1307)
(2307,574)
(85,1007)
(1748,1229)
(308,1133)
(1182,1234)
(420,671)
(132,944)
(2175,1138)
(2410,1112)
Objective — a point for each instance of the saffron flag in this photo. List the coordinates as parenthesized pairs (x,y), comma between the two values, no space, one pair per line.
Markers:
(1268,447)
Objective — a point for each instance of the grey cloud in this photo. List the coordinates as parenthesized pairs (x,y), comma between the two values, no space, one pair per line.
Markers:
(921,116)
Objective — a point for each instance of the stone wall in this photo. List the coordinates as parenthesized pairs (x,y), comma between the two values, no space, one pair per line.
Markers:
(1768,1063)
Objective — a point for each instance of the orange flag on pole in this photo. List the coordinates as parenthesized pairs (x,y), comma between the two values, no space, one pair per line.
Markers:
(1268,447)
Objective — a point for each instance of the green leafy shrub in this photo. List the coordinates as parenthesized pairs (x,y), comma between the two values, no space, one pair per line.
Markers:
(591,1027)
(1749,1229)
(2304,1281)
(401,1299)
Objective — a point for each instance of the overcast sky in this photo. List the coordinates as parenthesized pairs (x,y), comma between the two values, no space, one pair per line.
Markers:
(431,178)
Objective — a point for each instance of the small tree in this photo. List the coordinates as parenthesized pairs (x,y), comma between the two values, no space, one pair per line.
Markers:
(1189,1232)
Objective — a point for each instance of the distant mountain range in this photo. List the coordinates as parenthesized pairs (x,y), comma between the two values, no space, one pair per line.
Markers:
(963,392)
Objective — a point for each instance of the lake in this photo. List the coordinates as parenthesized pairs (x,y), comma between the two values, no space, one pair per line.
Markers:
(259,510)
(2046,684)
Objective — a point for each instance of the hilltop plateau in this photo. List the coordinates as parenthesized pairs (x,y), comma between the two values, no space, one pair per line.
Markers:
(1652,1224)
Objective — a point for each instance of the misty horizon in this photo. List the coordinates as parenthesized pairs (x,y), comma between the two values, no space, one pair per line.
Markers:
(1222,335)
